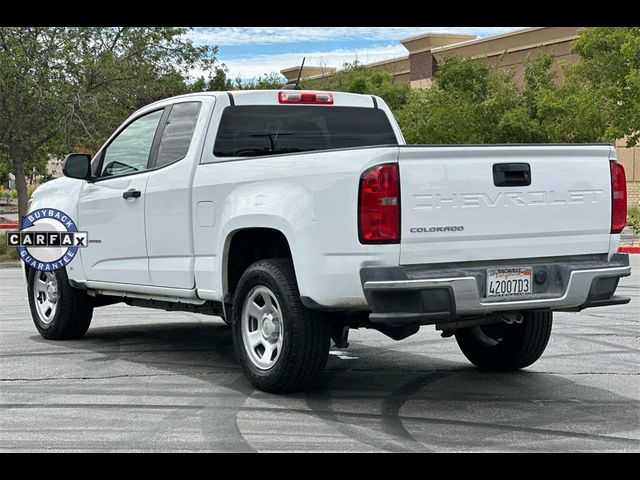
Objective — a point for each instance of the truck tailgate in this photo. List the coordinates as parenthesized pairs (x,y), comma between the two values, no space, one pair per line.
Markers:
(457,206)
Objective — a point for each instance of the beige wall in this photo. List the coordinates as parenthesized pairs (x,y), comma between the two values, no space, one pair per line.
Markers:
(398,67)
(630,160)
(291,73)
(516,61)
(511,51)
(423,83)
(526,38)
(633,194)
(402,78)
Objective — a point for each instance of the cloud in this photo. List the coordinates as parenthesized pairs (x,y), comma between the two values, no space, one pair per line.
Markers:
(255,66)
(366,44)
(227,36)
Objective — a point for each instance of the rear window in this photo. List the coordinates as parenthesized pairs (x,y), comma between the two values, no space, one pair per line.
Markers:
(254,130)
(176,137)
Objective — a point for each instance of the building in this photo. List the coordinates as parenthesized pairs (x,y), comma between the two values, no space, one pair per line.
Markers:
(507,52)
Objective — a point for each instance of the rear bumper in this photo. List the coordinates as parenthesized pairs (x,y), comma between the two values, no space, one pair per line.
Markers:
(402,295)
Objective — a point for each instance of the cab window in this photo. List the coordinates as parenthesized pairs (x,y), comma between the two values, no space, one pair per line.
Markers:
(177,133)
(129,152)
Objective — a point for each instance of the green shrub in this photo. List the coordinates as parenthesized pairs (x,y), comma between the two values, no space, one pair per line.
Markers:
(357,78)
(633,219)
(30,190)
(7,253)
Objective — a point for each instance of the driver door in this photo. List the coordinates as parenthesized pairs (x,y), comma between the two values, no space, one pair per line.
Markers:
(111,208)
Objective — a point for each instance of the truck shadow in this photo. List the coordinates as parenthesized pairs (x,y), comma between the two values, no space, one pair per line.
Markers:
(377,397)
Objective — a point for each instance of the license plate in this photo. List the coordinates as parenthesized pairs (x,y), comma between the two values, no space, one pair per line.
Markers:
(508,282)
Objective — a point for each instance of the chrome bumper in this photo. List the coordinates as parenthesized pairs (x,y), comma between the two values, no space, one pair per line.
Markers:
(464,295)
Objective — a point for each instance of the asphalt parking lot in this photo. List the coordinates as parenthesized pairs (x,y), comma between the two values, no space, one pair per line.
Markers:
(145,380)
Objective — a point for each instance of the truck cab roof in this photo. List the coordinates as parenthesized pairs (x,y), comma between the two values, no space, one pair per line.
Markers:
(270,97)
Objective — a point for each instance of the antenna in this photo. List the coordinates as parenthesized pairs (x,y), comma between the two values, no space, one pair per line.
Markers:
(297,84)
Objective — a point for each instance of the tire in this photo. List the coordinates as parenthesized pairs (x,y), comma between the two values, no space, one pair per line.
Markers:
(298,339)
(71,312)
(503,347)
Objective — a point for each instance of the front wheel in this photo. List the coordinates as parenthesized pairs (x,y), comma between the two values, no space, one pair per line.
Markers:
(281,346)
(59,311)
(502,347)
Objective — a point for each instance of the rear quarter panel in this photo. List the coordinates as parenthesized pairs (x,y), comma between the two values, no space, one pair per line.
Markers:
(312,199)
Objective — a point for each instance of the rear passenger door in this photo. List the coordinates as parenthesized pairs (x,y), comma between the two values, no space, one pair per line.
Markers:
(168,203)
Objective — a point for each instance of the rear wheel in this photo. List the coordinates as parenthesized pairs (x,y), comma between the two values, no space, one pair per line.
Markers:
(59,311)
(281,346)
(502,347)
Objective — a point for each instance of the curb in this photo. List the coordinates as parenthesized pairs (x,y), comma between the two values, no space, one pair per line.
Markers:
(10,264)
(629,249)
(8,226)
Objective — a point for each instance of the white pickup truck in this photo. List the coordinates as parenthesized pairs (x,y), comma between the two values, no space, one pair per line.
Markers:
(298,215)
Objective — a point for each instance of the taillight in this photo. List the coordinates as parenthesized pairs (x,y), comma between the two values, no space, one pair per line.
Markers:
(379,205)
(305,98)
(618,197)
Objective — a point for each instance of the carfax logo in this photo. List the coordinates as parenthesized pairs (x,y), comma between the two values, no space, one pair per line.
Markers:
(48,239)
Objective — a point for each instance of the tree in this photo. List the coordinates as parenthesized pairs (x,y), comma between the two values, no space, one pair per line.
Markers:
(609,66)
(270,81)
(220,83)
(473,103)
(469,103)
(5,170)
(356,78)
(64,88)
(599,99)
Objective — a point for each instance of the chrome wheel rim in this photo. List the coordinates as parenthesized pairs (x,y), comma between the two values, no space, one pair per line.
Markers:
(45,296)
(262,327)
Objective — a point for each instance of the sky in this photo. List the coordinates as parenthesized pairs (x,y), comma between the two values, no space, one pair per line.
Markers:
(249,52)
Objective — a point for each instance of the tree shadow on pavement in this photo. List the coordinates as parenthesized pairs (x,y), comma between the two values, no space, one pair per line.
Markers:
(376,398)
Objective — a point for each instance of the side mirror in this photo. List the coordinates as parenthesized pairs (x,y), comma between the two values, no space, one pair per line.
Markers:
(77,165)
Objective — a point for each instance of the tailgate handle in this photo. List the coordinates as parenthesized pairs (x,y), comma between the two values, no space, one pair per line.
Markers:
(511,174)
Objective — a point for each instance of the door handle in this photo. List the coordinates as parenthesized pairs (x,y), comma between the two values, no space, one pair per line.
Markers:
(132,193)
(511,174)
